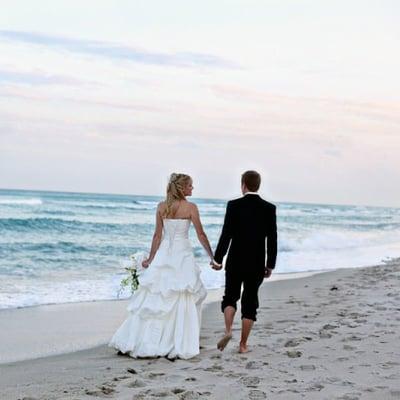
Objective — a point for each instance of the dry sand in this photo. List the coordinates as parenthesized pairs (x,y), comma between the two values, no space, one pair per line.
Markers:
(333,335)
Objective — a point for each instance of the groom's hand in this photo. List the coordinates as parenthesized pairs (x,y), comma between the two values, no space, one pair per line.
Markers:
(268,273)
(215,265)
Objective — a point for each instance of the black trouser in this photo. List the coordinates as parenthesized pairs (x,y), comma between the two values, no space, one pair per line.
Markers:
(233,285)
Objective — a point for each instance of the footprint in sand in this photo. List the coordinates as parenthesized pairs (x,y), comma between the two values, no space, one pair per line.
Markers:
(329,327)
(286,321)
(152,375)
(310,367)
(294,353)
(389,364)
(392,376)
(250,381)
(324,334)
(137,383)
(140,396)
(332,379)
(257,395)
(120,378)
(349,396)
(294,342)
(326,331)
(352,338)
(347,383)
(190,395)
(316,386)
(178,390)
(233,374)
(254,365)
(214,368)
(104,390)
(369,389)
(161,393)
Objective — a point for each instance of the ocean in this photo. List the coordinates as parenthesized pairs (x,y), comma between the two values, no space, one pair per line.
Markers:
(60,247)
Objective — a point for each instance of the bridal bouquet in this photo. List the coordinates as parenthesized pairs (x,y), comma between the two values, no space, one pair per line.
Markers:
(134,269)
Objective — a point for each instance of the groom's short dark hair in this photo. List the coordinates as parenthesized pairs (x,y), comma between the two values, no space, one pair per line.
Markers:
(252,180)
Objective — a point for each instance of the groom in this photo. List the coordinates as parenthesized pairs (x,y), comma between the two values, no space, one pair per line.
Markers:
(249,222)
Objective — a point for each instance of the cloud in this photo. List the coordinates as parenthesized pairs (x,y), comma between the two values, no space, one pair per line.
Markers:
(46,98)
(315,108)
(119,51)
(36,78)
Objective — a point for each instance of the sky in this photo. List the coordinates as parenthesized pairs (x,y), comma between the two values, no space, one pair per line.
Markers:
(113,96)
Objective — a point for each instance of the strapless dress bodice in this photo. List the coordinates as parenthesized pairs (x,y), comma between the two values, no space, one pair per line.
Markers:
(175,232)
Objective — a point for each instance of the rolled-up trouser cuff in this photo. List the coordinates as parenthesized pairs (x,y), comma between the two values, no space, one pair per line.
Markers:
(225,304)
(249,316)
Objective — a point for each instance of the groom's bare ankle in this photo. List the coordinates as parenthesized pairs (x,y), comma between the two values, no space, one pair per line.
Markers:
(243,348)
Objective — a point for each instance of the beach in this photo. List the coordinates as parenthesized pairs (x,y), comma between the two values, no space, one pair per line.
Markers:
(332,335)
(151,145)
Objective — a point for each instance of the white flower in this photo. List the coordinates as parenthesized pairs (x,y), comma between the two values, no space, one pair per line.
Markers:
(134,269)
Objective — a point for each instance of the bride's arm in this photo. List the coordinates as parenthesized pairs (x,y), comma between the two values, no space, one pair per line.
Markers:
(155,244)
(201,235)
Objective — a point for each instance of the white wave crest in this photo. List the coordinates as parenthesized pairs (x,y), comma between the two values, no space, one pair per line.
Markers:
(29,202)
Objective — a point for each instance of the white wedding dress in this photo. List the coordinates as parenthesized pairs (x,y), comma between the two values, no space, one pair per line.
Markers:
(165,311)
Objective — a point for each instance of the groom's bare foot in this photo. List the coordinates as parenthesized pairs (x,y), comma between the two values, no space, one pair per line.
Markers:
(243,348)
(224,341)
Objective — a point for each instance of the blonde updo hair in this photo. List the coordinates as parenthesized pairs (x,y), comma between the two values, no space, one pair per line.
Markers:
(175,190)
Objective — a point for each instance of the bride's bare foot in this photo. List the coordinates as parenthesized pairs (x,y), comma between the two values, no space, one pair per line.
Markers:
(243,348)
(224,341)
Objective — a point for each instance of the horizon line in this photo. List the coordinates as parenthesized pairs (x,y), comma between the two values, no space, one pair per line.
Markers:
(194,197)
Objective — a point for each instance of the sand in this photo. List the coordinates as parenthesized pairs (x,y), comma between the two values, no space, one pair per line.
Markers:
(333,335)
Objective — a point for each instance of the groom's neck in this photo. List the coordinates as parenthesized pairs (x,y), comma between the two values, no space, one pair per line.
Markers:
(245,191)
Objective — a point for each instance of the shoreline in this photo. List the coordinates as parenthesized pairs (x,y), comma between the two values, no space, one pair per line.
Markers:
(50,322)
(276,276)
(329,336)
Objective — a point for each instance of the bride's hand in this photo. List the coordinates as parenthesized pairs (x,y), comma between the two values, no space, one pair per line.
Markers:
(145,263)
(215,265)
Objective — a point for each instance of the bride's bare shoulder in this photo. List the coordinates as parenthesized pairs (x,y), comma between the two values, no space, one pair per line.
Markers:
(161,206)
(192,206)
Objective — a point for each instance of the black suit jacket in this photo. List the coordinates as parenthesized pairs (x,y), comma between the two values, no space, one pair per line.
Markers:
(249,221)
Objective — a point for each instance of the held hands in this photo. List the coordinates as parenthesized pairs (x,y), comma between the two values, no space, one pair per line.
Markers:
(215,265)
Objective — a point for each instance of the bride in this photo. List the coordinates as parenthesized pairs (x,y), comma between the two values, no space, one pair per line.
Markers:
(165,312)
